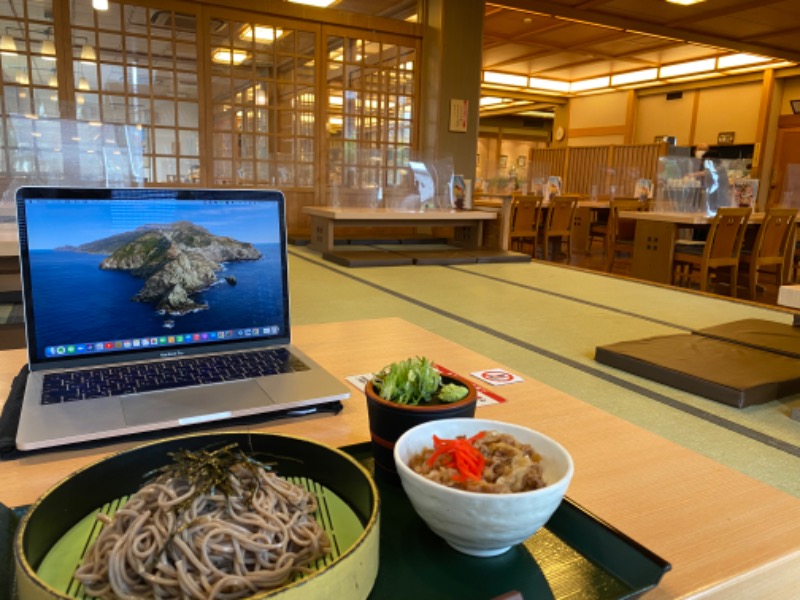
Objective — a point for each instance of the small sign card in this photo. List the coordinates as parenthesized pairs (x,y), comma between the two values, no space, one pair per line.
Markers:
(497,376)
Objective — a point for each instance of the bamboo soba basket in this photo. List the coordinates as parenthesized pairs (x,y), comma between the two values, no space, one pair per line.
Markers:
(55,531)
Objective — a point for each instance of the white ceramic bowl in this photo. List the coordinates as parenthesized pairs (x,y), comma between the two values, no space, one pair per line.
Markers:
(482,524)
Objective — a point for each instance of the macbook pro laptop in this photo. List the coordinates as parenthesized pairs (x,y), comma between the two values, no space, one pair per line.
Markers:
(151,308)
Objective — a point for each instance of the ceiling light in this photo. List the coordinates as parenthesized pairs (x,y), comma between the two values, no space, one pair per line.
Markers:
(48,50)
(778,65)
(52,81)
(542,114)
(739,60)
(548,84)
(318,3)
(83,84)
(695,66)
(701,77)
(228,57)
(490,100)
(7,45)
(634,77)
(100,4)
(260,33)
(505,79)
(88,54)
(261,98)
(685,2)
(589,84)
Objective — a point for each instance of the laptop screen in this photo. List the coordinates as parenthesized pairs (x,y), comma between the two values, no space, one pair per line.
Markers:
(120,274)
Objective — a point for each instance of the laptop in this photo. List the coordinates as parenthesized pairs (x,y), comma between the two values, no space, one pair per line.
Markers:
(154,308)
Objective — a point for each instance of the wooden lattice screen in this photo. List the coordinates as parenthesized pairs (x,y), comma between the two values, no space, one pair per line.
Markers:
(596,170)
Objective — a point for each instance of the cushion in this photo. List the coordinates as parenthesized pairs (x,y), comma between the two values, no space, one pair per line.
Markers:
(757,333)
(726,372)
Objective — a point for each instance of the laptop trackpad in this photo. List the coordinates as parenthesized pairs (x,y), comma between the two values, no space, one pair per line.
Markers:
(195,405)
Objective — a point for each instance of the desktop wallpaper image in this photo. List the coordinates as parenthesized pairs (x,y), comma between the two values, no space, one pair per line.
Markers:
(108,271)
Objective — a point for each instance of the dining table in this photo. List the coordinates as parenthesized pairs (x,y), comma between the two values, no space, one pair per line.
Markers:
(498,233)
(656,235)
(723,533)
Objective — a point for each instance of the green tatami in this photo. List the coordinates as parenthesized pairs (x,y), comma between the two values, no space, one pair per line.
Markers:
(545,321)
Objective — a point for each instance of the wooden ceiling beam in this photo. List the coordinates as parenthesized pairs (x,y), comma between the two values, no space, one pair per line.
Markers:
(704,12)
(638,25)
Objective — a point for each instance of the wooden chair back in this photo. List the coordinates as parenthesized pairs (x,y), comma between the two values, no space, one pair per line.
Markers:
(623,229)
(775,235)
(621,232)
(725,236)
(560,215)
(771,246)
(525,214)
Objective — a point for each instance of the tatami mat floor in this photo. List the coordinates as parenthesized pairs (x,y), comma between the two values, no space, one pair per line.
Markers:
(544,321)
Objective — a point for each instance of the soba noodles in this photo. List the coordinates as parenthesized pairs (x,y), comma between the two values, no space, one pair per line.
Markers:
(207,529)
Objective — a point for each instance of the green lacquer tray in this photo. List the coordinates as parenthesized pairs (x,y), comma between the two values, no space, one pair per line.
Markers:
(575,555)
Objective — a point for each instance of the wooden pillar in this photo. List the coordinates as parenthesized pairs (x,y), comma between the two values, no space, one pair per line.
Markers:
(451,71)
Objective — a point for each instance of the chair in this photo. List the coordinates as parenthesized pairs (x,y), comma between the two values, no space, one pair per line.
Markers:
(598,229)
(525,212)
(721,250)
(621,232)
(558,224)
(770,248)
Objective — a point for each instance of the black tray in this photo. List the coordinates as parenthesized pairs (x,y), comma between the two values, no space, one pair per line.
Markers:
(576,555)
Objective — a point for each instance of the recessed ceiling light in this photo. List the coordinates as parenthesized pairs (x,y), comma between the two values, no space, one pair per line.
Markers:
(505,78)
(634,77)
(228,57)
(740,60)
(548,84)
(685,2)
(260,33)
(687,68)
(589,84)
(318,3)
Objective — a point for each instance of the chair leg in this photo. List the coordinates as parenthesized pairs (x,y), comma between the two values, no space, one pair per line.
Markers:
(734,280)
(703,278)
(753,280)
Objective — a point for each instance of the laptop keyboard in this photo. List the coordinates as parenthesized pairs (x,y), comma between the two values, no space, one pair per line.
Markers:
(148,377)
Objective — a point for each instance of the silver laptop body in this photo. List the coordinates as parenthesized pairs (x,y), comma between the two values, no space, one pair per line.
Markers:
(157,280)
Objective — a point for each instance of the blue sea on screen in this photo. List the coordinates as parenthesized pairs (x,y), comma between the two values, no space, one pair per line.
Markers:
(78,302)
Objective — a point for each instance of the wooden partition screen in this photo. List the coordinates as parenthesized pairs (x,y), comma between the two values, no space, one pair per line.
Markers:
(545,162)
(587,171)
(597,170)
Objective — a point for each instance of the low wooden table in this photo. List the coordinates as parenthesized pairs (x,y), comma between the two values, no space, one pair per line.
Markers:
(725,534)
(467,224)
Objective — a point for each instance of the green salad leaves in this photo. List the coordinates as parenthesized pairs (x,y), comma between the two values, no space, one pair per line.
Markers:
(416,381)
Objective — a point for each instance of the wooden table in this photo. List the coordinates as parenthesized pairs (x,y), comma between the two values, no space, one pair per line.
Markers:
(656,234)
(725,534)
(467,224)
